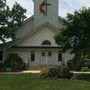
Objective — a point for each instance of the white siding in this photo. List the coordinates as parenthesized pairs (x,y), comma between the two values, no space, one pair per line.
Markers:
(38,37)
(39,59)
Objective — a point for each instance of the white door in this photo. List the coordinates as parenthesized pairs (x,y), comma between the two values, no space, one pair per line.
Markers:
(46,57)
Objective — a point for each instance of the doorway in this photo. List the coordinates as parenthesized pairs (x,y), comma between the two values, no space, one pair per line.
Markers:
(46,57)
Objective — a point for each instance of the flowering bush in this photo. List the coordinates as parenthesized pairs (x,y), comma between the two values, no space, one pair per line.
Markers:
(55,72)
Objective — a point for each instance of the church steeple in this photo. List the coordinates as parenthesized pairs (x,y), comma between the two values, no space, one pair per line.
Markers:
(45,11)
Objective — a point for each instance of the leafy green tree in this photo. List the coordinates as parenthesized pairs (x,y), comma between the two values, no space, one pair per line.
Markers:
(75,34)
(10,19)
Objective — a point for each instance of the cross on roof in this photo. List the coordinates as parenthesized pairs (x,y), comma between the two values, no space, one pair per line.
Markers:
(46,5)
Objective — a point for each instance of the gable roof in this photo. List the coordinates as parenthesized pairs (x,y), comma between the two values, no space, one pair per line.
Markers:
(29,34)
(29,22)
(12,43)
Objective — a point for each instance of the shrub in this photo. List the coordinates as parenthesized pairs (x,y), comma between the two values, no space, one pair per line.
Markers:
(55,72)
(87,63)
(49,72)
(75,64)
(1,66)
(45,72)
(65,73)
(70,64)
(85,69)
(13,62)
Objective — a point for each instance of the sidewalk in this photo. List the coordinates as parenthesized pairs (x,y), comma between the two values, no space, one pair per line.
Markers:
(22,72)
(31,71)
(38,71)
(80,72)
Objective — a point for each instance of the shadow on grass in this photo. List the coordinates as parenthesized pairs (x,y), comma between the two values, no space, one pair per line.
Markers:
(85,77)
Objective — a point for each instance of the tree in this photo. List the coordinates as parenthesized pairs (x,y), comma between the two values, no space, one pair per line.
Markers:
(75,34)
(10,19)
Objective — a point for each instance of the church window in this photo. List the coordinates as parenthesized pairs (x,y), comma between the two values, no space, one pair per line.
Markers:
(43,54)
(59,56)
(32,56)
(49,54)
(1,55)
(46,42)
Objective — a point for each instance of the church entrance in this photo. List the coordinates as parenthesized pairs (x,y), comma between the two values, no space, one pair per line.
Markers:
(46,58)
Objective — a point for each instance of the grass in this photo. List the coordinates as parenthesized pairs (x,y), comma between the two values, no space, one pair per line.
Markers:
(33,82)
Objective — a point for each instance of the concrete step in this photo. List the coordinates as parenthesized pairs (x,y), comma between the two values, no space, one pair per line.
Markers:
(41,67)
(35,67)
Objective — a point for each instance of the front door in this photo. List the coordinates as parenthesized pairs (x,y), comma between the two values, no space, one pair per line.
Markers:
(46,57)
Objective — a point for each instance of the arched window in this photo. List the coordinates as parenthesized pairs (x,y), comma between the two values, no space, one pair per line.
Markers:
(46,42)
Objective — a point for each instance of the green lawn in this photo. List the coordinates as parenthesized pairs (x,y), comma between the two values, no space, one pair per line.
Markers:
(33,82)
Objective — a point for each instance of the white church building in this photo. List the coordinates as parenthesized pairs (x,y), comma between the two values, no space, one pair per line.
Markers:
(35,38)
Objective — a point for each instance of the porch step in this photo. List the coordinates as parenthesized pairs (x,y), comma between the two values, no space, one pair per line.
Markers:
(41,67)
(35,67)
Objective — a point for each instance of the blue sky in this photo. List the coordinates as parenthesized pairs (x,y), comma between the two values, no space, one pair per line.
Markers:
(65,6)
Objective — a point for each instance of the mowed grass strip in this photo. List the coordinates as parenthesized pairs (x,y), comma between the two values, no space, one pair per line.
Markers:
(33,82)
